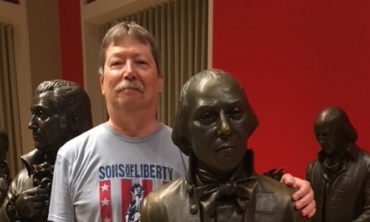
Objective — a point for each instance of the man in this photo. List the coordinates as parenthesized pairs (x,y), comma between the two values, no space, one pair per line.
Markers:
(60,110)
(340,176)
(132,146)
(4,169)
(213,123)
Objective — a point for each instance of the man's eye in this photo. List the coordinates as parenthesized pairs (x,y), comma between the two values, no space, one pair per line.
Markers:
(116,63)
(141,62)
(207,118)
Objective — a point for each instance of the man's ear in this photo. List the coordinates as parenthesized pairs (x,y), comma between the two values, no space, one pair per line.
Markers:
(101,81)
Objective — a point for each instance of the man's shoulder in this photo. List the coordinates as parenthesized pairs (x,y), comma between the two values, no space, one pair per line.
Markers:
(163,128)
(79,143)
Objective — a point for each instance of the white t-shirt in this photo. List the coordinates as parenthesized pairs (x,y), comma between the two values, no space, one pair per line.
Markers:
(103,176)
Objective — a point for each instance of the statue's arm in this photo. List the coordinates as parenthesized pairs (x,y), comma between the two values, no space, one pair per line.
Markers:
(8,212)
(4,181)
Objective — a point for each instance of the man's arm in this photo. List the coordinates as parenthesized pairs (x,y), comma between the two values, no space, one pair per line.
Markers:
(303,197)
(61,206)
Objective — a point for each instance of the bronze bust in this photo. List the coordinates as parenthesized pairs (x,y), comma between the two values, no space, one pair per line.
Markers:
(60,110)
(212,126)
(340,176)
(4,169)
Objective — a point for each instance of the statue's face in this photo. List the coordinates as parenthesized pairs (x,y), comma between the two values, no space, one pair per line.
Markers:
(330,136)
(218,126)
(47,129)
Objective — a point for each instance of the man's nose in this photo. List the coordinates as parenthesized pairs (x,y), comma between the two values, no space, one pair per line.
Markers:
(129,70)
(225,129)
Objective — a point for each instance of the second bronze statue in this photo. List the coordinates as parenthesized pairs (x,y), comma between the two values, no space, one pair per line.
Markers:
(60,111)
(212,126)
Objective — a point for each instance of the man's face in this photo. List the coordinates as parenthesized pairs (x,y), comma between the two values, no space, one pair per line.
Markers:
(130,80)
(47,129)
(330,136)
(218,124)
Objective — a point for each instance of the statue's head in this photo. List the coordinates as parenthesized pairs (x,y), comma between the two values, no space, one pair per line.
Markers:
(214,121)
(333,130)
(4,144)
(60,110)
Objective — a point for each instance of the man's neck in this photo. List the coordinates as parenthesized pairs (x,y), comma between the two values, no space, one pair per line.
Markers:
(133,125)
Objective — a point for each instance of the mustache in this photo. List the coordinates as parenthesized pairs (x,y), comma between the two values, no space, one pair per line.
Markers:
(136,85)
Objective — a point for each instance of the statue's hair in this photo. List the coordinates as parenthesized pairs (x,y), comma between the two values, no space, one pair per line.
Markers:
(133,30)
(72,102)
(180,129)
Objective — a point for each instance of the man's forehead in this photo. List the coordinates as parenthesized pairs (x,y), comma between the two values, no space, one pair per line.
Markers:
(127,39)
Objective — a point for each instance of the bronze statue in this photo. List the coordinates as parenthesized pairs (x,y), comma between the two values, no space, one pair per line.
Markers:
(340,176)
(60,111)
(4,169)
(212,126)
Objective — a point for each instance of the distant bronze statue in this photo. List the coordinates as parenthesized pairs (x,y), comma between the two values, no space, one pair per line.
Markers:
(340,176)
(60,110)
(4,169)
(213,123)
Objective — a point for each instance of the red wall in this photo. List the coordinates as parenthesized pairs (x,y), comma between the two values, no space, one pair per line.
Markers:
(295,58)
(71,41)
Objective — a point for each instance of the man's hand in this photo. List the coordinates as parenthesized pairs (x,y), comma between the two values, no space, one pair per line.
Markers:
(303,197)
(31,203)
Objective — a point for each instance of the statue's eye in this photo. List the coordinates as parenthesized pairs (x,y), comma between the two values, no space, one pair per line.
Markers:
(235,113)
(206,118)
(42,115)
